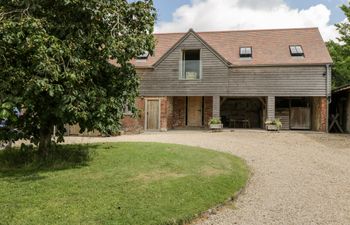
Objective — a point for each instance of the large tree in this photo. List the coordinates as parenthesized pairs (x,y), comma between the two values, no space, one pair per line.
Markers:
(340,52)
(55,64)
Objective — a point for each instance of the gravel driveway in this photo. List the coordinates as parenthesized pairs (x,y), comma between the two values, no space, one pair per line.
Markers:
(299,177)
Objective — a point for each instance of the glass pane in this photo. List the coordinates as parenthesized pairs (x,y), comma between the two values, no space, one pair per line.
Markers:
(242,51)
(248,51)
(192,69)
(191,64)
(299,49)
(293,50)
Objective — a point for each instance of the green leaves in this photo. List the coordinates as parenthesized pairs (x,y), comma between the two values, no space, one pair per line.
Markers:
(340,52)
(54,61)
(7,112)
(4,114)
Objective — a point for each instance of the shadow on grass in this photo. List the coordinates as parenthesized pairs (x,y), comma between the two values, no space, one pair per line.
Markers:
(25,163)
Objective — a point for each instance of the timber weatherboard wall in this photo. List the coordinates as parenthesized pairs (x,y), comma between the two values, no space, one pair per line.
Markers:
(220,80)
(277,81)
(164,79)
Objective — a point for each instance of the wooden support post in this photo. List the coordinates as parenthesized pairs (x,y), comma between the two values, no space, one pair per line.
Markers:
(216,106)
(271,107)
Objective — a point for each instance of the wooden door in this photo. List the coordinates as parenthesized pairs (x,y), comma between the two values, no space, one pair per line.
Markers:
(152,115)
(194,111)
(300,118)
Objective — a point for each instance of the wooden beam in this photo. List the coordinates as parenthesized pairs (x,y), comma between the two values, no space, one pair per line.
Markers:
(262,101)
(223,101)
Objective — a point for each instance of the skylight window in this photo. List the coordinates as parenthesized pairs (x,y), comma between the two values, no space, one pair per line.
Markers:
(245,52)
(143,56)
(296,50)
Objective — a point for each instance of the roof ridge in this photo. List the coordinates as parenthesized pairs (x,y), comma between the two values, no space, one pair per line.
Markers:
(248,30)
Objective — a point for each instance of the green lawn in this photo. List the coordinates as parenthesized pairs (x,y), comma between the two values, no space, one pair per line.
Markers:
(123,183)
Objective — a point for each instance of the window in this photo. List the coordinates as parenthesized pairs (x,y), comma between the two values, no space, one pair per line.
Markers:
(143,56)
(191,64)
(296,50)
(245,52)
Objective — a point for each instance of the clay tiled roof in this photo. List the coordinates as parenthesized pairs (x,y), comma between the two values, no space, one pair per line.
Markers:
(270,47)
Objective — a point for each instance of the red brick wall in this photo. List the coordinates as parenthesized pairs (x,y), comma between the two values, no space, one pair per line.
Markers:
(208,110)
(179,111)
(323,111)
(164,108)
(172,114)
(135,124)
(319,114)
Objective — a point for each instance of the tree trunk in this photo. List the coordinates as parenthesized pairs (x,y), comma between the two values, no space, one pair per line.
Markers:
(45,141)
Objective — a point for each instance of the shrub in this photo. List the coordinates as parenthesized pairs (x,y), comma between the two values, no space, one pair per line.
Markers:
(214,120)
(277,122)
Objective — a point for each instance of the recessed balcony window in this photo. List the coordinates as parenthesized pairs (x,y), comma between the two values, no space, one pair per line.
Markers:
(190,65)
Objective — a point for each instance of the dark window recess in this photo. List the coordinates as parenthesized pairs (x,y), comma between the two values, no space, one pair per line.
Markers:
(191,66)
(245,52)
(143,55)
(300,102)
(282,103)
(296,50)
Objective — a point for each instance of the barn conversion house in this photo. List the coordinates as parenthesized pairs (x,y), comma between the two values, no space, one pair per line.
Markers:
(243,77)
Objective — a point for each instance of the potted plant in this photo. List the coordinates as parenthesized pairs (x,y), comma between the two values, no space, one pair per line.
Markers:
(215,124)
(273,125)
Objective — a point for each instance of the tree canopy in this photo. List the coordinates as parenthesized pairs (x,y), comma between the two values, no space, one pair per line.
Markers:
(340,52)
(55,64)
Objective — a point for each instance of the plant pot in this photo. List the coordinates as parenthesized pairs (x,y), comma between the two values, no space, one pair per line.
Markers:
(271,127)
(216,126)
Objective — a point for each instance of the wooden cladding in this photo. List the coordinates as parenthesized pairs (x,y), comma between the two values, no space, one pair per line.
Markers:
(194,111)
(218,79)
(300,118)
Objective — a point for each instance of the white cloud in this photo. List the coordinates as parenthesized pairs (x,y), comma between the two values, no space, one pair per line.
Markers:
(209,15)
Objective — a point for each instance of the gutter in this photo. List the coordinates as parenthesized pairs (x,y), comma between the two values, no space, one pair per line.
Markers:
(278,65)
(328,93)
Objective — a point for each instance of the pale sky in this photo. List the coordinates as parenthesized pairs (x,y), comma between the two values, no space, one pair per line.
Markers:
(211,15)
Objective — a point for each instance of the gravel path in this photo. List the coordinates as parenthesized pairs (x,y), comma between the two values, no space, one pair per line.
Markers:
(299,177)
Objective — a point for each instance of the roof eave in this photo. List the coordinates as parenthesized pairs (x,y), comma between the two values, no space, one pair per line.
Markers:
(282,64)
(342,88)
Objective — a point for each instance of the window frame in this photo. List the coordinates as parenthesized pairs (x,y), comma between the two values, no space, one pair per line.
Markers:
(142,57)
(297,54)
(181,66)
(246,56)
